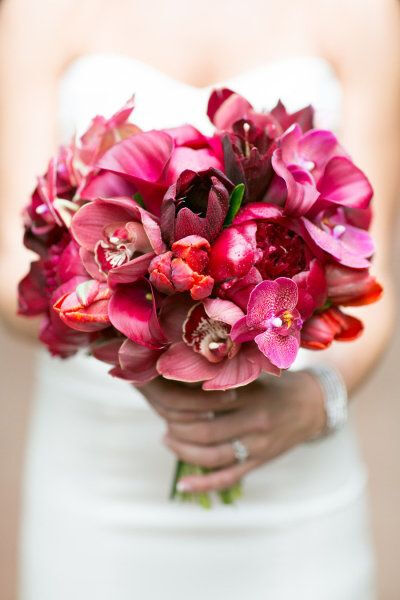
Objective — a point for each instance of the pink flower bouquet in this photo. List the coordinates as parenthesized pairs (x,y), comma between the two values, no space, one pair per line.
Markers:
(207,260)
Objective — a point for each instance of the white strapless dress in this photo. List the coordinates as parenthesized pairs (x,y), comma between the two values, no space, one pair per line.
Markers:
(97,524)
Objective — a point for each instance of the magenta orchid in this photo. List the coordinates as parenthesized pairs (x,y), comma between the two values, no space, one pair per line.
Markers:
(208,353)
(272,321)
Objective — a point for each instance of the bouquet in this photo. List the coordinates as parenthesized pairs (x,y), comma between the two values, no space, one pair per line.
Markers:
(203,259)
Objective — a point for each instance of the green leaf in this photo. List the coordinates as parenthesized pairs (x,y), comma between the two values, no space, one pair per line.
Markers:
(235,202)
(138,198)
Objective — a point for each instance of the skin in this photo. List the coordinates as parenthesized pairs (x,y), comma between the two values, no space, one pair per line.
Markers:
(194,44)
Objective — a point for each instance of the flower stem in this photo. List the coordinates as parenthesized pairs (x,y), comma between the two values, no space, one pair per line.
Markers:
(182,469)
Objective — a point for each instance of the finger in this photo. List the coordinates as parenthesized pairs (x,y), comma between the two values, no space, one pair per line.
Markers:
(180,416)
(175,396)
(223,428)
(216,456)
(218,480)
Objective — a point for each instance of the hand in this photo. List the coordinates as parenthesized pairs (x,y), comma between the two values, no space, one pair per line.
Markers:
(268,417)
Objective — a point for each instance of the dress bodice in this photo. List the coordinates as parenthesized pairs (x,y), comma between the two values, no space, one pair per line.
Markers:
(101,83)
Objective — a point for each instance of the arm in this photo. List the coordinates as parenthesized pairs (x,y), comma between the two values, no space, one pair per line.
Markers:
(28,97)
(289,411)
(28,73)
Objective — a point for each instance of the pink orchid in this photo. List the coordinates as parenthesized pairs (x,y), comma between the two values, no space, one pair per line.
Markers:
(85,308)
(183,268)
(196,204)
(118,239)
(272,321)
(332,324)
(207,352)
(104,133)
(312,168)
(51,207)
(153,160)
(349,245)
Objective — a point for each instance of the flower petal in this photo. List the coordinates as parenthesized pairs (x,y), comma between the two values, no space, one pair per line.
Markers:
(132,311)
(346,254)
(181,363)
(269,298)
(344,183)
(281,350)
(131,271)
(233,373)
(222,310)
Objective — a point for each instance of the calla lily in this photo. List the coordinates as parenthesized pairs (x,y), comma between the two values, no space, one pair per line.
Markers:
(133,312)
(153,160)
(85,308)
(322,329)
(137,363)
(272,321)
(183,268)
(207,352)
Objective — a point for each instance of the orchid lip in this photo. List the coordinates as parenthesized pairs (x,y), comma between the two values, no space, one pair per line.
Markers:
(338,231)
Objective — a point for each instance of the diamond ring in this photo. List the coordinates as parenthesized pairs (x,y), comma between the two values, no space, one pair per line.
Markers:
(240,451)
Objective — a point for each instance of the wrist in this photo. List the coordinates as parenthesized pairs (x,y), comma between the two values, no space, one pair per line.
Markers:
(307,392)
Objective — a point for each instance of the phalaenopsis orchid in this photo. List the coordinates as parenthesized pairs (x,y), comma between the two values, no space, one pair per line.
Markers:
(203,259)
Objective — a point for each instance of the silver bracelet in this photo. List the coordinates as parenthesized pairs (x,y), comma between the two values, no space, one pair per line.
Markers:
(335,396)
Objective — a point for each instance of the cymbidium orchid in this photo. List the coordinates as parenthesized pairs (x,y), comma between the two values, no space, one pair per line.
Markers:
(118,238)
(272,321)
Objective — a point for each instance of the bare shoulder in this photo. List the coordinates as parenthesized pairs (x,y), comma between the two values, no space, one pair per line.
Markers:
(362,35)
(38,32)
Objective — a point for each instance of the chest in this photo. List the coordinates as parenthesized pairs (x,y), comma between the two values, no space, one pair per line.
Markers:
(201,43)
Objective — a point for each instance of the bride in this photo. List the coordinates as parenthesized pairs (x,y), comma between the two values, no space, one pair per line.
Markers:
(96,522)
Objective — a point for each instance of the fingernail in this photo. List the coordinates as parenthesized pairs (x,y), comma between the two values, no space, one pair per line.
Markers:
(208,416)
(183,486)
(230,395)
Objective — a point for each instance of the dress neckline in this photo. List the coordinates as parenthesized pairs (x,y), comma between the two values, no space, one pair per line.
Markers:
(284,63)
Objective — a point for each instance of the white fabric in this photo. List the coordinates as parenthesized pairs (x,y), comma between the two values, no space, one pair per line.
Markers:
(97,522)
